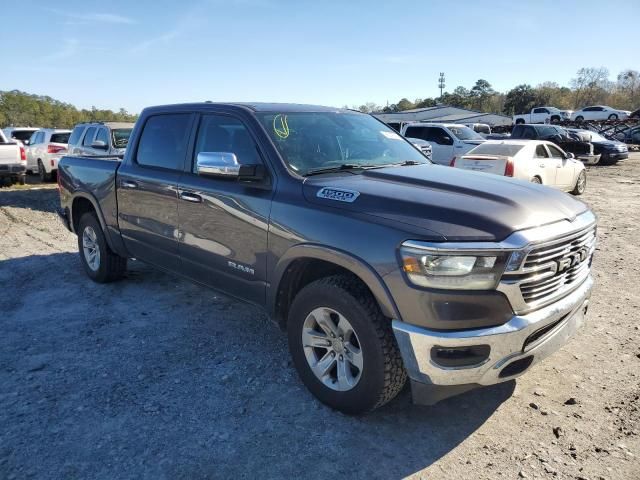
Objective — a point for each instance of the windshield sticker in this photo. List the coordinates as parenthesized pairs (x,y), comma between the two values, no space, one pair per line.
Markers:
(338,194)
(280,126)
(391,135)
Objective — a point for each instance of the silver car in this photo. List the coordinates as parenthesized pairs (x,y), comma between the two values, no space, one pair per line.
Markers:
(44,149)
(100,138)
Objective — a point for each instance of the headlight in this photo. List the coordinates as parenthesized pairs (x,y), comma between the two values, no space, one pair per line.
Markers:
(453,270)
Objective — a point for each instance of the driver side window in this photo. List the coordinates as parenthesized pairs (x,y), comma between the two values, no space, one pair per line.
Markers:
(221,133)
(555,153)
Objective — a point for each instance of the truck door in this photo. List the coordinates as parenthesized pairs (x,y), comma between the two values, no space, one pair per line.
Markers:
(147,192)
(224,222)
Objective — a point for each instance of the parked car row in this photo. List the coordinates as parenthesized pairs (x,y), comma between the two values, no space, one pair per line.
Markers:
(43,147)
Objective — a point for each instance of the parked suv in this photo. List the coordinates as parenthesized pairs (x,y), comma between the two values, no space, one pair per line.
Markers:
(45,148)
(448,140)
(100,138)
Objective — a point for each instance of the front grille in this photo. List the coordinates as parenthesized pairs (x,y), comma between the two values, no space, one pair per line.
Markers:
(554,268)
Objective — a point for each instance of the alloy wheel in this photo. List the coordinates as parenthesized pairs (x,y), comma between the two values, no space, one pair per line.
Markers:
(90,248)
(332,349)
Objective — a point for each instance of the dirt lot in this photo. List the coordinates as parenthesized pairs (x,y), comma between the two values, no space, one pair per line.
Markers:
(155,377)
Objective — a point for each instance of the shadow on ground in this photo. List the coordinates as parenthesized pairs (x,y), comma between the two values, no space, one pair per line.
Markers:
(45,199)
(155,377)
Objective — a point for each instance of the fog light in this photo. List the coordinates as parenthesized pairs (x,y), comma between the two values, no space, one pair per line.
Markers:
(452,357)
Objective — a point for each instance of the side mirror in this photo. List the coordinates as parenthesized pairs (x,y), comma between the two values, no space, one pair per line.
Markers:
(26,142)
(570,155)
(446,140)
(99,145)
(217,164)
(225,164)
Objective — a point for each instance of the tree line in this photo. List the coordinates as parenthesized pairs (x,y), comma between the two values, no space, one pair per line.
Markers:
(22,109)
(591,86)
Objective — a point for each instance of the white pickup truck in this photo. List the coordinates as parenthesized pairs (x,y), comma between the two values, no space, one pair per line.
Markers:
(13,161)
(543,115)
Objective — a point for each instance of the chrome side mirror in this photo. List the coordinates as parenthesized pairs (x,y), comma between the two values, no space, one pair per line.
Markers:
(217,164)
(99,145)
(570,155)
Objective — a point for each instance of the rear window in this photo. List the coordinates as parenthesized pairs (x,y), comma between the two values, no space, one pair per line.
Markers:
(60,137)
(22,135)
(502,149)
(121,137)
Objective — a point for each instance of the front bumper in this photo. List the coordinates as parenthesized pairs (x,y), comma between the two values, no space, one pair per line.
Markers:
(608,156)
(589,159)
(515,347)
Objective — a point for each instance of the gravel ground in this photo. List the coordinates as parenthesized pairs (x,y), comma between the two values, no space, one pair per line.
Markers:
(154,377)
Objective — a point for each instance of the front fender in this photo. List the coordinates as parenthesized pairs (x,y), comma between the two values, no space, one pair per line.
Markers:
(346,260)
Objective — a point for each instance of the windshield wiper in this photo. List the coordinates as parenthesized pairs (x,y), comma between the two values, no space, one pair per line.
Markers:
(338,168)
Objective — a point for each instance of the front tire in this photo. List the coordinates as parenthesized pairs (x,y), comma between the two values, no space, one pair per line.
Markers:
(581,184)
(613,116)
(100,263)
(343,347)
(536,180)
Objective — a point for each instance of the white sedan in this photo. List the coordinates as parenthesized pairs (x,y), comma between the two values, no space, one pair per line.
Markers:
(531,160)
(599,112)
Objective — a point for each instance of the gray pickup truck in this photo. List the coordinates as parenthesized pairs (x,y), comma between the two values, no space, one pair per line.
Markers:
(378,264)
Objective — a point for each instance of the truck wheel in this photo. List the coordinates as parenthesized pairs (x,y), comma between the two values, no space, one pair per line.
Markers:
(555,119)
(519,121)
(22,179)
(343,347)
(579,118)
(100,263)
(581,184)
(44,176)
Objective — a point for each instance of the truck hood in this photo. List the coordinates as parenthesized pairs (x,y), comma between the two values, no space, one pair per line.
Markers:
(455,204)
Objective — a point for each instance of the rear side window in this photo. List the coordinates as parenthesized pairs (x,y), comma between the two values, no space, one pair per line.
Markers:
(74,139)
(22,135)
(88,137)
(164,140)
(60,137)
(219,133)
(430,134)
(541,152)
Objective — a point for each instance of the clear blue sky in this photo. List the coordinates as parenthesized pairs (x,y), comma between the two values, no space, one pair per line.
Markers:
(115,53)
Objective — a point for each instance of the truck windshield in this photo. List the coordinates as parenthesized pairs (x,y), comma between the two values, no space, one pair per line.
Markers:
(121,137)
(309,141)
(464,133)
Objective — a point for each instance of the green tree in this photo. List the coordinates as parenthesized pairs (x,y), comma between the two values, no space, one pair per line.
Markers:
(520,99)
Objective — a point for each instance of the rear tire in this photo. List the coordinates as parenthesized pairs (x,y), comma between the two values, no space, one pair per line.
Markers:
(579,119)
(581,184)
(22,179)
(613,116)
(44,176)
(100,263)
(519,122)
(355,342)
(536,180)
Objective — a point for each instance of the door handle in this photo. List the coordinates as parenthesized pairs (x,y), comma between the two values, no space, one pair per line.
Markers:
(190,197)
(128,184)
(541,165)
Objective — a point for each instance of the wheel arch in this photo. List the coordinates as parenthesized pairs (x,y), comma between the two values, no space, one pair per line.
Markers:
(303,264)
(82,203)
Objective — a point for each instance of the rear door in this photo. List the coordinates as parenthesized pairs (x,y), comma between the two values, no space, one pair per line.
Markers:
(545,165)
(223,222)
(87,141)
(147,188)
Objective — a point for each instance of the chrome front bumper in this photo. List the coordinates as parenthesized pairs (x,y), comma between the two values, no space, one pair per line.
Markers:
(508,344)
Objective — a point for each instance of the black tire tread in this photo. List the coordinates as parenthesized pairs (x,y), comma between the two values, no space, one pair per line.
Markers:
(395,375)
(575,189)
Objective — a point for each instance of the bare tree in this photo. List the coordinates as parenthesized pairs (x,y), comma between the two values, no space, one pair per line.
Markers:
(591,85)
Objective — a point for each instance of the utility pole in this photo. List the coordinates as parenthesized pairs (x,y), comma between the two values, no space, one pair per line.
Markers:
(441,83)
